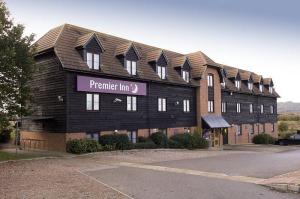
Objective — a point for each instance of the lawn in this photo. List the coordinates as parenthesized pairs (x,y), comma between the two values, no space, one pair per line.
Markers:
(13,156)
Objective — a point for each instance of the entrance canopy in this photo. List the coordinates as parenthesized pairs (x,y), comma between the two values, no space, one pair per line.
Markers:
(215,121)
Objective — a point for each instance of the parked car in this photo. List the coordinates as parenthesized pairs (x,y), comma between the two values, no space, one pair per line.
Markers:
(291,140)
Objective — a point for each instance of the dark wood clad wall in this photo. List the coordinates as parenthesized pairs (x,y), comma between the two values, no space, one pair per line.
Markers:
(48,83)
(115,116)
(245,117)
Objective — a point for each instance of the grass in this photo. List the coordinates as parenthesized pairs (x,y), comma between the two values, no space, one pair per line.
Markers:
(4,156)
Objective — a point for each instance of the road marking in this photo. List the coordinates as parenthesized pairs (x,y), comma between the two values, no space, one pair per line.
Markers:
(98,181)
(224,176)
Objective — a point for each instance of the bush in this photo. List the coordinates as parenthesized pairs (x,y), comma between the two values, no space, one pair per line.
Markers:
(142,139)
(283,127)
(117,141)
(174,144)
(149,144)
(185,140)
(5,136)
(263,139)
(159,138)
(199,142)
(83,146)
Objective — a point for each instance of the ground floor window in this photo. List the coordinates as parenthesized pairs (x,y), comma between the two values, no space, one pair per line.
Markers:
(132,135)
(92,136)
(273,127)
(160,130)
(238,129)
(251,128)
(187,130)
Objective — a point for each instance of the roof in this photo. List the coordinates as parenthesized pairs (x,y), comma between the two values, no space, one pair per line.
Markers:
(64,38)
(231,72)
(123,49)
(215,121)
(154,55)
(84,40)
(245,75)
(267,81)
(256,78)
(179,61)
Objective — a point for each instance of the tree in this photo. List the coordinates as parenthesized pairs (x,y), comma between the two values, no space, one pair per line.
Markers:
(283,127)
(16,68)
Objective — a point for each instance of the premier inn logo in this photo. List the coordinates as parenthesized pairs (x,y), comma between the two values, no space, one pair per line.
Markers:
(101,85)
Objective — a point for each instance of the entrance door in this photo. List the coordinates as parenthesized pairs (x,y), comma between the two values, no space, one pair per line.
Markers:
(215,137)
(225,136)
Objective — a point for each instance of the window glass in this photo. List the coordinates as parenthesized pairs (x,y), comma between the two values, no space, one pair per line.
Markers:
(128,103)
(89,102)
(96,61)
(133,69)
(128,66)
(89,60)
(251,108)
(210,80)
(223,107)
(261,108)
(162,104)
(271,109)
(260,87)
(238,107)
(238,130)
(163,72)
(159,72)
(96,102)
(210,106)
(186,105)
(271,89)
(133,103)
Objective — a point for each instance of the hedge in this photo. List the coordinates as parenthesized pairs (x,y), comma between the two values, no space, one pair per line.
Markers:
(115,141)
(149,144)
(263,139)
(160,139)
(188,141)
(83,146)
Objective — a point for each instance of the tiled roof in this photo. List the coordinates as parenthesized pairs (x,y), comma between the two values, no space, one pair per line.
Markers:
(84,39)
(154,55)
(231,72)
(245,75)
(267,81)
(256,78)
(49,39)
(179,61)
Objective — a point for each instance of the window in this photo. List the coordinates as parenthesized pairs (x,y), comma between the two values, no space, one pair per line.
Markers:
(223,84)
(162,104)
(238,84)
(93,60)
(251,108)
(161,71)
(186,75)
(186,105)
(250,86)
(131,103)
(132,135)
(92,102)
(210,80)
(273,127)
(223,107)
(210,106)
(238,130)
(271,89)
(92,136)
(261,109)
(261,88)
(272,109)
(238,107)
(251,128)
(131,67)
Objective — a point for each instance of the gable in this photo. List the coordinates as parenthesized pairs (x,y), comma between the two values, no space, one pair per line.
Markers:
(162,61)
(93,46)
(131,54)
(186,65)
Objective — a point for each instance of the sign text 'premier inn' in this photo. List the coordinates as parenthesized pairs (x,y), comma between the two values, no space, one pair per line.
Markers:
(101,85)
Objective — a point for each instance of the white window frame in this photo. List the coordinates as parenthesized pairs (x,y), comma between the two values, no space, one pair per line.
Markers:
(223,107)
(238,129)
(250,108)
(92,102)
(238,107)
(186,75)
(210,106)
(162,104)
(238,84)
(272,109)
(186,106)
(89,59)
(261,88)
(271,89)
(210,80)
(132,135)
(261,109)
(93,60)
(161,71)
(131,67)
(250,86)
(131,103)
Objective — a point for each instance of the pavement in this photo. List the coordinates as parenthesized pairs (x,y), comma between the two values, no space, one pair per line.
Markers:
(239,172)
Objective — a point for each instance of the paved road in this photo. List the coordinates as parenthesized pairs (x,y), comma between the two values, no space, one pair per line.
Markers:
(256,164)
(146,183)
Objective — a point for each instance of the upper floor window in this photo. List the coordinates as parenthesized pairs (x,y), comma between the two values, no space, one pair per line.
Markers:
(210,80)
(272,109)
(223,84)
(93,60)
(250,86)
(261,88)
(271,89)
(238,107)
(162,104)
(92,102)
(131,103)
(261,109)
(131,67)
(210,106)
(223,107)
(251,108)
(238,84)
(186,75)
(186,105)
(161,71)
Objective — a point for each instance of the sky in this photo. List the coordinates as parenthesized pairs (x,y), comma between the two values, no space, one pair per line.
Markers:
(262,36)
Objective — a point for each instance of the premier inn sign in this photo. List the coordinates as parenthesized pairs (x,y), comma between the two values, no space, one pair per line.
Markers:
(101,85)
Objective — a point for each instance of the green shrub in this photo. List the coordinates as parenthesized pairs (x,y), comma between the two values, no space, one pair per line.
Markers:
(199,142)
(5,136)
(76,146)
(159,138)
(283,127)
(142,139)
(185,140)
(118,141)
(263,139)
(149,144)
(92,146)
(174,144)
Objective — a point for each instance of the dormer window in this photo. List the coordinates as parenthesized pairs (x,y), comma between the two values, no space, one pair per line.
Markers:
(250,86)
(161,72)
(93,60)
(186,75)
(131,67)
(238,84)
(271,89)
(261,88)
